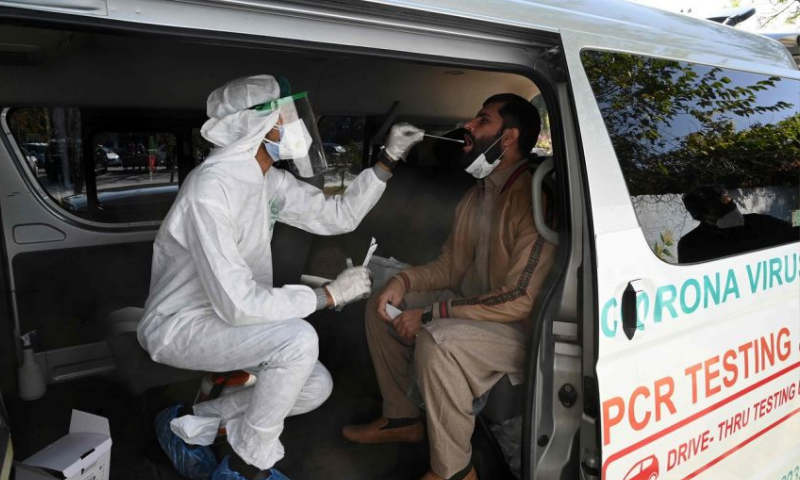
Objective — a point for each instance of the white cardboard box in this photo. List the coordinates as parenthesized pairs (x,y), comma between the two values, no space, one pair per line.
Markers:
(82,454)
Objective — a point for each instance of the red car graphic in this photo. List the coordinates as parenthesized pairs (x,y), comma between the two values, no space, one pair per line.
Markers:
(646,469)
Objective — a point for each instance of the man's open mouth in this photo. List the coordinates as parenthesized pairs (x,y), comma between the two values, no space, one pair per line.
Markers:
(468,142)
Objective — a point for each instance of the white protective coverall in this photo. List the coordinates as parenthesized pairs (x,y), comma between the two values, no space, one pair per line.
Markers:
(212,306)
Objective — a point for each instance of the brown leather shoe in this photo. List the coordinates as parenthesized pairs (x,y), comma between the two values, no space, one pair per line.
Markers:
(373,433)
(430,475)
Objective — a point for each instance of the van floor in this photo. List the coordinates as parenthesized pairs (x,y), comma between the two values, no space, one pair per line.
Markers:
(314,446)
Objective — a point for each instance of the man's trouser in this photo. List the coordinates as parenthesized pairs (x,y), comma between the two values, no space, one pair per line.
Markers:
(456,361)
(290,379)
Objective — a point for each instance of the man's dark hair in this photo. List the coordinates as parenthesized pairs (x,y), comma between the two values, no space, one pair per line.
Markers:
(520,114)
(708,202)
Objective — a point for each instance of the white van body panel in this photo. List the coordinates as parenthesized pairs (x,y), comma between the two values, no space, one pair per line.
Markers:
(625,21)
(693,320)
(614,18)
(665,352)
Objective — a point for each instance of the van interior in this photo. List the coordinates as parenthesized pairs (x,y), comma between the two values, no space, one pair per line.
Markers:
(126,108)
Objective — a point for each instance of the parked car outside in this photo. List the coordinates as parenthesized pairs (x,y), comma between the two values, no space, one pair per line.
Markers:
(31,160)
(38,150)
(108,156)
(163,157)
(333,152)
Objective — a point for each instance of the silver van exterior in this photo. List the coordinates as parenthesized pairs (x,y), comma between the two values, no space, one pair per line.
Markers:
(643,365)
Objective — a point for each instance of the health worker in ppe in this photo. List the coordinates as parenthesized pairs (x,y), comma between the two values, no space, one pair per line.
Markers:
(212,306)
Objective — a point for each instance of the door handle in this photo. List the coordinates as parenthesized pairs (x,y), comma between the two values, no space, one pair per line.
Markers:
(630,317)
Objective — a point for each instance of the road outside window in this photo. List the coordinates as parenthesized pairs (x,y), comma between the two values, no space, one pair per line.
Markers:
(113,177)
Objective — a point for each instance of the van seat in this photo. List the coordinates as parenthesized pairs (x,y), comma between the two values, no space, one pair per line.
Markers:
(504,401)
(135,368)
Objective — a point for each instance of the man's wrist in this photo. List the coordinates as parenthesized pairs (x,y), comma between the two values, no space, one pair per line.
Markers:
(403,281)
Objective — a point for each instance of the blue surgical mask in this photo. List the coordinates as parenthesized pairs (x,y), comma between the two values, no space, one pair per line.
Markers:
(273,148)
(732,219)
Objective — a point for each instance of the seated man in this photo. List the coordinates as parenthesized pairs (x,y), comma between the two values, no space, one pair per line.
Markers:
(466,313)
(724,231)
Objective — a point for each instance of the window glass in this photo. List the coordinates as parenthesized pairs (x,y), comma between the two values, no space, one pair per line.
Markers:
(710,156)
(53,137)
(200,147)
(343,142)
(136,175)
(544,145)
(111,177)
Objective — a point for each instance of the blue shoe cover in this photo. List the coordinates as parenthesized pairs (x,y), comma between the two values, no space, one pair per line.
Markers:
(191,461)
(224,472)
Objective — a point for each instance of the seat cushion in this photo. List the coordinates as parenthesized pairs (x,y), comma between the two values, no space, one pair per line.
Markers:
(505,401)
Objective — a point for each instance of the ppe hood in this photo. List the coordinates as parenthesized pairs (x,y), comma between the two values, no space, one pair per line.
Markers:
(233,127)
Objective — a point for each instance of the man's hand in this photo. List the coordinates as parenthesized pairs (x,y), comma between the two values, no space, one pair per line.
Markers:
(408,323)
(392,293)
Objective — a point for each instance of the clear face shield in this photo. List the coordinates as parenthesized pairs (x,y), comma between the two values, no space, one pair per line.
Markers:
(299,144)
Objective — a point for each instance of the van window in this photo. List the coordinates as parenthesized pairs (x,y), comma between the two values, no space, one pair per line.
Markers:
(710,155)
(343,142)
(200,147)
(53,136)
(544,145)
(110,177)
(136,175)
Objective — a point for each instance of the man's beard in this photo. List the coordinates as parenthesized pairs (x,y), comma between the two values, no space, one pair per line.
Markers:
(480,146)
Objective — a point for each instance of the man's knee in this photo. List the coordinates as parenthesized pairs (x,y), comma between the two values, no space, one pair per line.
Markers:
(320,385)
(303,343)
(426,352)
(317,389)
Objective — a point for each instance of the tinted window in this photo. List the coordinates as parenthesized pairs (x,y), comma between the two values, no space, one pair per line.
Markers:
(111,176)
(201,147)
(53,137)
(710,156)
(343,142)
(136,175)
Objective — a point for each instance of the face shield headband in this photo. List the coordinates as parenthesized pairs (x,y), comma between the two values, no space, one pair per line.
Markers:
(299,145)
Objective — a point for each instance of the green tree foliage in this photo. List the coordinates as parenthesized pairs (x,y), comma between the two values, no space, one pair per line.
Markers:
(30,125)
(675,126)
(790,8)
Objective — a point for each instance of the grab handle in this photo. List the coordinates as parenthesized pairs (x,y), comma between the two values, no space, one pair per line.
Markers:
(538,205)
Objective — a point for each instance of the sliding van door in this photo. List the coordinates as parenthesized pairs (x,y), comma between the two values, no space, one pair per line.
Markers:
(696,325)
(82,193)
